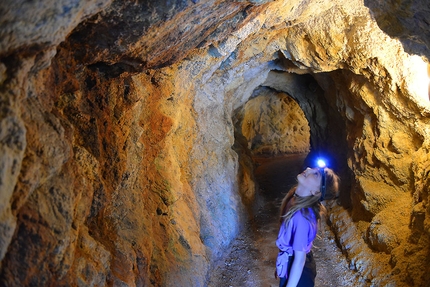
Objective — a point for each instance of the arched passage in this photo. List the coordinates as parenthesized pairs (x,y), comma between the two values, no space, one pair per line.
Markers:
(313,92)
(273,123)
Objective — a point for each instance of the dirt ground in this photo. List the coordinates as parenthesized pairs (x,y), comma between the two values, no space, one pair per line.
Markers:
(250,260)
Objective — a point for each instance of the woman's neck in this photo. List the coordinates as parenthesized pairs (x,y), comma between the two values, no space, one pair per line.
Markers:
(303,191)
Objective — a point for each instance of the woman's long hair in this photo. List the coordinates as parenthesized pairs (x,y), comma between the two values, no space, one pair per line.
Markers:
(291,204)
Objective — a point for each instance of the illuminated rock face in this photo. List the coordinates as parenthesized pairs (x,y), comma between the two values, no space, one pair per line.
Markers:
(119,158)
(273,123)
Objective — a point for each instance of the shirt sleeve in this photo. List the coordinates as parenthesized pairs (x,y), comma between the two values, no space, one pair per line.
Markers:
(284,238)
(297,235)
(300,233)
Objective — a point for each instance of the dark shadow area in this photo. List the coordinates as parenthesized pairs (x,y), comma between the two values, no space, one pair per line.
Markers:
(406,20)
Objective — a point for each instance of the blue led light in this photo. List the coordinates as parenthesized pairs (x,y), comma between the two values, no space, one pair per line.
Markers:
(321,163)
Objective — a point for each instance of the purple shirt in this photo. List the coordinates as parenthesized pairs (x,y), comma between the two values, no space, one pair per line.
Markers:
(299,234)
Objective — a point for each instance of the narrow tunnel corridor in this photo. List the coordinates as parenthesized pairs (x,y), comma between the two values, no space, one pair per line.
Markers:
(120,160)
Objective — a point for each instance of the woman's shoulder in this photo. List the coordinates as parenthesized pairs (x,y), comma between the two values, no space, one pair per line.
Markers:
(299,214)
(303,214)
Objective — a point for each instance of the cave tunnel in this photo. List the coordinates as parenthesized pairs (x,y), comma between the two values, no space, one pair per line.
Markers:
(122,162)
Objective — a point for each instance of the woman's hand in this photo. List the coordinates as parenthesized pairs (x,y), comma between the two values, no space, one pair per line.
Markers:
(276,274)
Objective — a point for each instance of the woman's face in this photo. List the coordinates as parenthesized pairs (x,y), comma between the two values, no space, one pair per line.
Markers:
(309,182)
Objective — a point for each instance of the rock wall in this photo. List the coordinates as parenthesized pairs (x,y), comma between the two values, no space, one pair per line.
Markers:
(119,163)
(273,123)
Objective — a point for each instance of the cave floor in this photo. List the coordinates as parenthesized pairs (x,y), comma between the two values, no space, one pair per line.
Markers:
(250,260)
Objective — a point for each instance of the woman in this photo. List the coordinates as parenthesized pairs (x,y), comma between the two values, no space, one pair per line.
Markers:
(301,212)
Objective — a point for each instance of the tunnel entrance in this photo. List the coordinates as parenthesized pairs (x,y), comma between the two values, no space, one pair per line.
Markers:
(273,123)
(289,113)
(270,124)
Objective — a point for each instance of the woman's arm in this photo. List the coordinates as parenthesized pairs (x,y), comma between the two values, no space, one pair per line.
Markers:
(296,268)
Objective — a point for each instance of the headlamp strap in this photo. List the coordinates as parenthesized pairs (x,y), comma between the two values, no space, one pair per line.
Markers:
(323,184)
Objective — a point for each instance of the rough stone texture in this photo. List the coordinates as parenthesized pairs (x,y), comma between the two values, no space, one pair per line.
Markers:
(405,20)
(273,123)
(119,162)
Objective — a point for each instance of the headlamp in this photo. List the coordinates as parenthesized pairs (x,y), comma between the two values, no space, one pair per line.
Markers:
(321,163)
